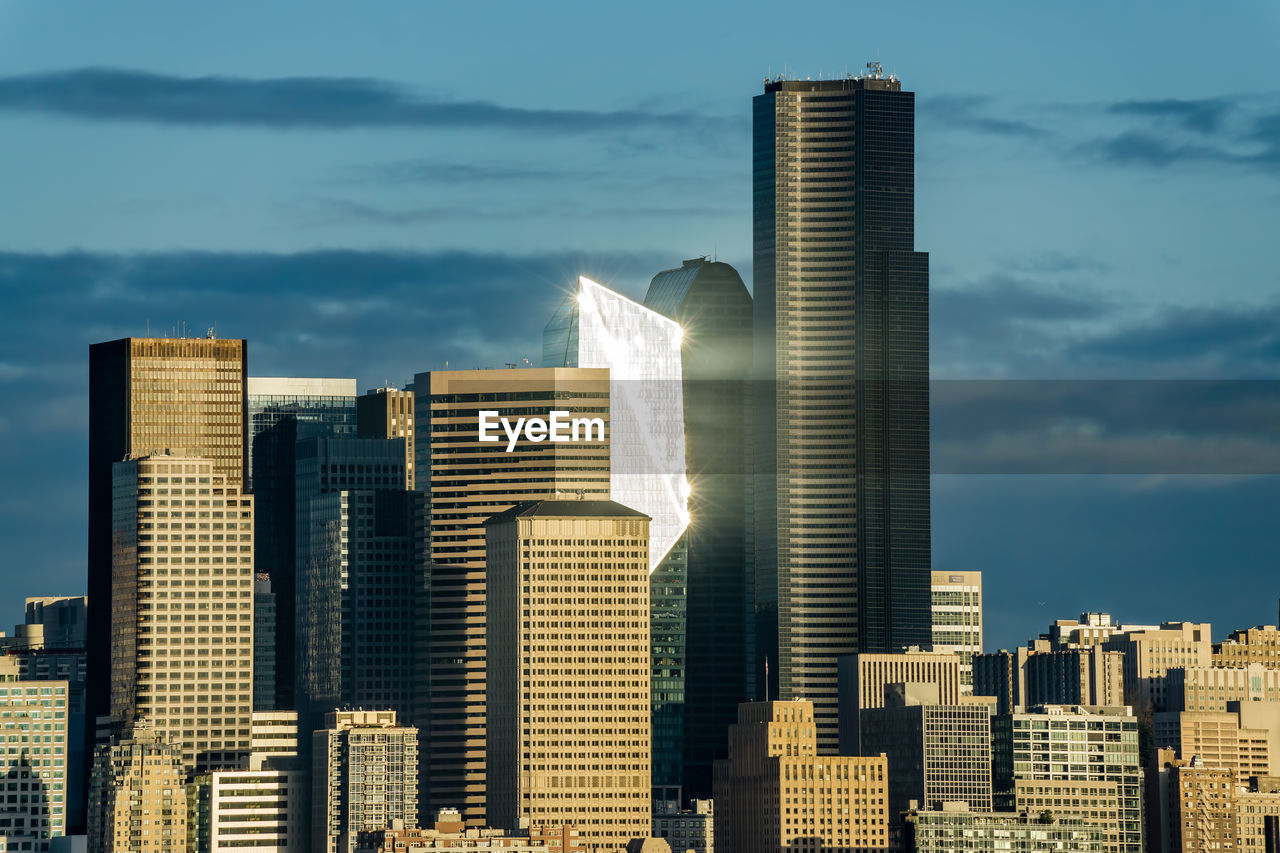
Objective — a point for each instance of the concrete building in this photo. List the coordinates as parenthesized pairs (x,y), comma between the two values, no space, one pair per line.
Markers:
(263,809)
(936,753)
(569,669)
(1218,740)
(465,482)
(1095,803)
(1213,688)
(63,620)
(1258,815)
(1045,674)
(955,828)
(1196,806)
(1072,743)
(147,396)
(450,833)
(1149,654)
(775,792)
(688,829)
(711,304)
(182,643)
(388,413)
(1260,644)
(863,679)
(281,411)
(957,619)
(35,759)
(842,358)
(137,802)
(364,776)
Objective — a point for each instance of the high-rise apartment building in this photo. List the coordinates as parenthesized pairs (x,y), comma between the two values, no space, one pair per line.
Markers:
(388,413)
(863,680)
(182,581)
(957,619)
(710,302)
(149,395)
(1095,802)
(1045,674)
(569,733)
(283,410)
(936,753)
(465,482)
(842,352)
(1193,806)
(1080,743)
(34,759)
(775,792)
(137,798)
(364,777)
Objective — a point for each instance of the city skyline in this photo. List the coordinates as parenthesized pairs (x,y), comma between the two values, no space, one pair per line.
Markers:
(1116,234)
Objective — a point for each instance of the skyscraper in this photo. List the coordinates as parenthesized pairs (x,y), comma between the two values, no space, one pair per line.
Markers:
(842,351)
(957,619)
(388,413)
(465,482)
(569,669)
(713,308)
(147,395)
(282,410)
(597,327)
(364,776)
(182,578)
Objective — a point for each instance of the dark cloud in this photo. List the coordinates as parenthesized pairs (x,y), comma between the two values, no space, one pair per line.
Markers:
(1244,340)
(331,103)
(338,211)
(973,113)
(1205,115)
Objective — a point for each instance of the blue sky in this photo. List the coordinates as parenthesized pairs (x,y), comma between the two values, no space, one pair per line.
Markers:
(372,190)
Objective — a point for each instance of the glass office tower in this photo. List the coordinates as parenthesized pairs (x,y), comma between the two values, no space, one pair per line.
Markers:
(842,352)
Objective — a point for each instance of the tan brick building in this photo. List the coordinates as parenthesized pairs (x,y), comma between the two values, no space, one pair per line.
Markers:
(774,792)
(137,802)
(569,715)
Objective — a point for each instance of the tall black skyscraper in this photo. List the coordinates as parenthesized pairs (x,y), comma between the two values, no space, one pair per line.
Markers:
(842,324)
(712,306)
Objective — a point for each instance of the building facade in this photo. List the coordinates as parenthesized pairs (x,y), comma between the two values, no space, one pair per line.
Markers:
(465,482)
(388,413)
(35,759)
(688,829)
(182,580)
(863,679)
(569,699)
(137,799)
(281,410)
(957,619)
(149,395)
(713,308)
(364,776)
(775,792)
(955,828)
(842,355)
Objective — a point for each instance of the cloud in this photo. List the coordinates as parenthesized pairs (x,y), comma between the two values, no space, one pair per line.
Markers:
(971,113)
(286,103)
(1239,340)
(1205,115)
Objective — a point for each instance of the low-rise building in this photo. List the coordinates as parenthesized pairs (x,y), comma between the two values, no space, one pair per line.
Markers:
(954,828)
(689,829)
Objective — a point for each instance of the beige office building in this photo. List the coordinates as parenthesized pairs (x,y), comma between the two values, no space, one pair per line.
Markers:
(569,733)
(182,581)
(467,482)
(137,802)
(1218,739)
(1260,644)
(864,677)
(1149,654)
(774,792)
(388,413)
(1211,688)
(957,619)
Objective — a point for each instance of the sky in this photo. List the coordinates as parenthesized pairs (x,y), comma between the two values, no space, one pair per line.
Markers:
(373,190)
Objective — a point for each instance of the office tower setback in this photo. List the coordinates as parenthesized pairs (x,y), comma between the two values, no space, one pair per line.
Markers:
(388,413)
(364,776)
(842,352)
(34,759)
(1080,743)
(936,753)
(283,410)
(149,395)
(957,619)
(569,669)
(713,308)
(182,636)
(864,678)
(774,792)
(142,773)
(465,482)
(63,620)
